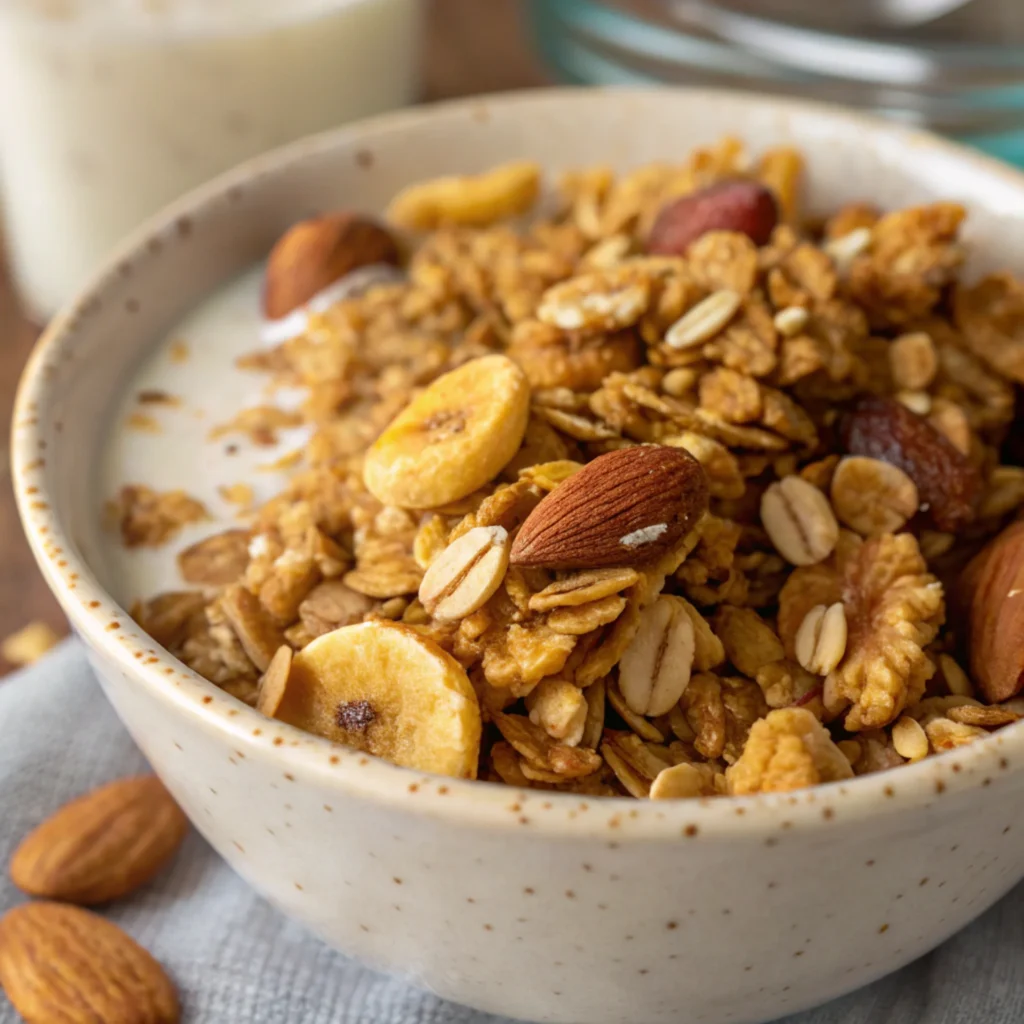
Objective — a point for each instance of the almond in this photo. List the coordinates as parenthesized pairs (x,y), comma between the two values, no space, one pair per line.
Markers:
(103,845)
(623,508)
(743,206)
(64,964)
(315,253)
(993,588)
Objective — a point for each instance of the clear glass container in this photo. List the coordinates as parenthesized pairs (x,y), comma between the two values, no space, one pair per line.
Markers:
(955,66)
(113,108)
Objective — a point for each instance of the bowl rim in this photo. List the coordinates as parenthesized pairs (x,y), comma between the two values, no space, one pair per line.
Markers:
(472,803)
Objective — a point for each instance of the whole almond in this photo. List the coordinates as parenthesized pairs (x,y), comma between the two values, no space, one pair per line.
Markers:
(626,507)
(315,253)
(743,206)
(103,845)
(992,586)
(65,965)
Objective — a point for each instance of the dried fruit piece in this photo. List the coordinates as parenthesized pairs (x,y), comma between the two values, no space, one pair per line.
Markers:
(743,206)
(993,590)
(465,575)
(453,437)
(68,965)
(871,496)
(787,750)
(476,199)
(425,713)
(315,253)
(821,638)
(947,483)
(799,521)
(655,668)
(628,506)
(103,845)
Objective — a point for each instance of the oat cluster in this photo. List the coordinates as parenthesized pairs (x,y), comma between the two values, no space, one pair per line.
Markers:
(846,397)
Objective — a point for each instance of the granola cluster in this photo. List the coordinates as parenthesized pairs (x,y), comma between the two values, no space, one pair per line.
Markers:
(845,398)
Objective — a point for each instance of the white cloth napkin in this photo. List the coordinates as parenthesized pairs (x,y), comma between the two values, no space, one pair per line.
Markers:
(236,960)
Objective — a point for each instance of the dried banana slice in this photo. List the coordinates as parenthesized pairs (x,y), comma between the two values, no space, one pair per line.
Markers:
(383,688)
(453,437)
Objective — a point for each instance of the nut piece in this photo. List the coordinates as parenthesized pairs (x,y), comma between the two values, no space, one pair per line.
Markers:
(477,199)
(909,739)
(871,496)
(381,687)
(992,587)
(452,438)
(465,575)
(799,521)
(103,845)
(787,750)
(685,781)
(625,507)
(315,253)
(655,668)
(743,206)
(821,639)
(61,963)
(947,483)
(789,322)
(914,361)
(703,321)
(846,248)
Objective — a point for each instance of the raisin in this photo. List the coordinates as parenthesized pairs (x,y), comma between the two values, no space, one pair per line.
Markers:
(947,482)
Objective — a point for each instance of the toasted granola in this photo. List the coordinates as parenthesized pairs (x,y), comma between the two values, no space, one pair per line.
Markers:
(791,632)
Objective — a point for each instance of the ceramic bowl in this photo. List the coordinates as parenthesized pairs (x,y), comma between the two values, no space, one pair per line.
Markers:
(541,906)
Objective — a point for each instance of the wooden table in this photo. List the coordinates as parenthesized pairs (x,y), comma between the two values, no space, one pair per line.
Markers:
(472,46)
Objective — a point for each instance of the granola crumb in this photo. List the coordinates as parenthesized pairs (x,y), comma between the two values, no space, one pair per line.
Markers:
(149,518)
(28,644)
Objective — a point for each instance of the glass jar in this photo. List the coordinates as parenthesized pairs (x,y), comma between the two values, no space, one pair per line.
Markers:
(955,66)
(113,108)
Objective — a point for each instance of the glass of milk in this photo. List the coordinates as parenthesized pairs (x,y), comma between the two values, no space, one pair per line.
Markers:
(112,108)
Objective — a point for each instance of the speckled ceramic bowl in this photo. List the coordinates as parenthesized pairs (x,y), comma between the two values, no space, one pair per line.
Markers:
(541,906)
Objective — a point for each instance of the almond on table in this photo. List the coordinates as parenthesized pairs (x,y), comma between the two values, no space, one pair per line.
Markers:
(62,963)
(653,488)
(103,845)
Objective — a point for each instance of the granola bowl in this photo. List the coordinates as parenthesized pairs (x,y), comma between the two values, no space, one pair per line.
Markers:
(494,596)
